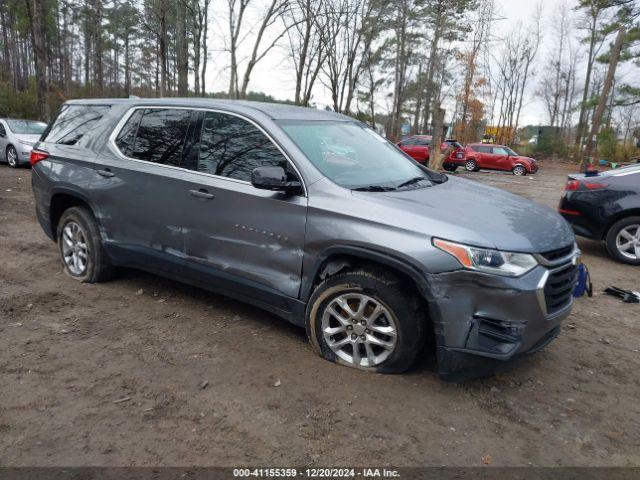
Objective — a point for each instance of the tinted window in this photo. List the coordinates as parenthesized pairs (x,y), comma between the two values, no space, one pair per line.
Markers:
(73,122)
(160,136)
(3,132)
(408,142)
(422,141)
(127,136)
(232,147)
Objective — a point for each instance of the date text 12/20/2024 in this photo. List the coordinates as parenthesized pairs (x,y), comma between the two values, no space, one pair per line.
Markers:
(316,472)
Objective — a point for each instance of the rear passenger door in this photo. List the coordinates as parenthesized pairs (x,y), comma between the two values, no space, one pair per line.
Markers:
(483,156)
(140,188)
(246,240)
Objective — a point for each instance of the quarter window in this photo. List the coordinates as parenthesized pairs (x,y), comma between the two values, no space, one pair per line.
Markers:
(232,147)
(73,122)
(3,132)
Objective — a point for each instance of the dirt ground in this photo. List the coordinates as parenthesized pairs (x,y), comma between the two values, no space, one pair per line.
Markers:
(69,352)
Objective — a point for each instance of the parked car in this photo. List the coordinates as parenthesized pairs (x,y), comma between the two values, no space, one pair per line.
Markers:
(365,250)
(17,138)
(417,147)
(495,157)
(606,207)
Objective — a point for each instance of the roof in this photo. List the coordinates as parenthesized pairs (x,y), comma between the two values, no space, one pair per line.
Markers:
(276,111)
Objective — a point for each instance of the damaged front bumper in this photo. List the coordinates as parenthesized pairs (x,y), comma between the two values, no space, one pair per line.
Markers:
(482,321)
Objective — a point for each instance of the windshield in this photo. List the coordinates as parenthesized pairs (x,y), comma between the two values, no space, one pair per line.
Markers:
(26,127)
(356,157)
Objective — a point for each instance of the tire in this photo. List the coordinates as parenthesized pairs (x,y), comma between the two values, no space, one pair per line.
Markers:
(400,312)
(519,171)
(12,157)
(89,264)
(471,166)
(450,168)
(616,239)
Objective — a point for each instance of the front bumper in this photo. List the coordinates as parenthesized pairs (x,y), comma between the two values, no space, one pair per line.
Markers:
(481,321)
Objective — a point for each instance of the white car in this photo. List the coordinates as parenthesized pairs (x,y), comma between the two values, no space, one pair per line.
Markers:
(17,138)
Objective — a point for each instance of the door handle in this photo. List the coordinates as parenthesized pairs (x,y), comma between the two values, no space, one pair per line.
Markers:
(202,193)
(106,173)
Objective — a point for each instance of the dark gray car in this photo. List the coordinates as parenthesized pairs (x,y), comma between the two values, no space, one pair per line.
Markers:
(312,216)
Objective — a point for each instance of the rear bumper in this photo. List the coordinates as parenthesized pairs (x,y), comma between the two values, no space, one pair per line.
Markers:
(584,215)
(483,321)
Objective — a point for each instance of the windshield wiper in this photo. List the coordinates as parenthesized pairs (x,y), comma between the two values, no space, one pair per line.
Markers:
(411,181)
(374,188)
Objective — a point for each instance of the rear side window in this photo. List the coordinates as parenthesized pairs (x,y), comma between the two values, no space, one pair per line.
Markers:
(232,147)
(161,135)
(73,123)
(482,149)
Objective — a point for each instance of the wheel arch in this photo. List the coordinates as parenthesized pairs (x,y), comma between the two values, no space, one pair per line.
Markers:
(337,258)
(632,212)
(62,200)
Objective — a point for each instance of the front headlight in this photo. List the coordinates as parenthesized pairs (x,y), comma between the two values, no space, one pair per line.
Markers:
(509,264)
(27,143)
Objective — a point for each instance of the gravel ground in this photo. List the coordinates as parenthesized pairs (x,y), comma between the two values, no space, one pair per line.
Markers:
(112,375)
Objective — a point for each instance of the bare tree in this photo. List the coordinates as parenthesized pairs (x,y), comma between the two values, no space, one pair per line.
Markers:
(307,45)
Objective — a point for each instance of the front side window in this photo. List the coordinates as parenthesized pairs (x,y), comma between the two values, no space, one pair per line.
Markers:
(73,122)
(233,147)
(356,157)
(500,151)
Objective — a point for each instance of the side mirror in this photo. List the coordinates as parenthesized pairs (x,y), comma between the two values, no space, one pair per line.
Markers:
(274,179)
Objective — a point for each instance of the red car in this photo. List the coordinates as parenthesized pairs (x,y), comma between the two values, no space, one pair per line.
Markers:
(417,147)
(493,157)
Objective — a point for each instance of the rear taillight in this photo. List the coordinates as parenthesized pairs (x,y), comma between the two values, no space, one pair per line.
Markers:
(37,155)
(573,185)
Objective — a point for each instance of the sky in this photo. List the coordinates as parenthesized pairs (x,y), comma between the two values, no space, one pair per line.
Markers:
(274,74)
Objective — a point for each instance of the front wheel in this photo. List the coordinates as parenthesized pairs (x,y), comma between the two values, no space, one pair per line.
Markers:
(519,170)
(623,240)
(450,168)
(81,250)
(470,166)
(12,156)
(366,319)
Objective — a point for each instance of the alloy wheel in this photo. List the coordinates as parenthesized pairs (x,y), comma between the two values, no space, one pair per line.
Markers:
(470,166)
(359,329)
(75,251)
(12,157)
(628,242)
(519,170)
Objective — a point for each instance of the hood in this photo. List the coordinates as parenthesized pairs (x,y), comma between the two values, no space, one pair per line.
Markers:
(521,157)
(28,137)
(468,212)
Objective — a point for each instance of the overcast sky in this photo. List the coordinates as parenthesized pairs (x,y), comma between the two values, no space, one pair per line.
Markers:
(274,74)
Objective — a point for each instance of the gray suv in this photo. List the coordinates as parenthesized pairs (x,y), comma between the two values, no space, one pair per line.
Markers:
(312,216)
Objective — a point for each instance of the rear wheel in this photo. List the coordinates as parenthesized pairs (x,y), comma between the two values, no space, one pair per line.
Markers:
(81,248)
(12,156)
(366,319)
(470,166)
(623,240)
(519,170)
(450,168)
